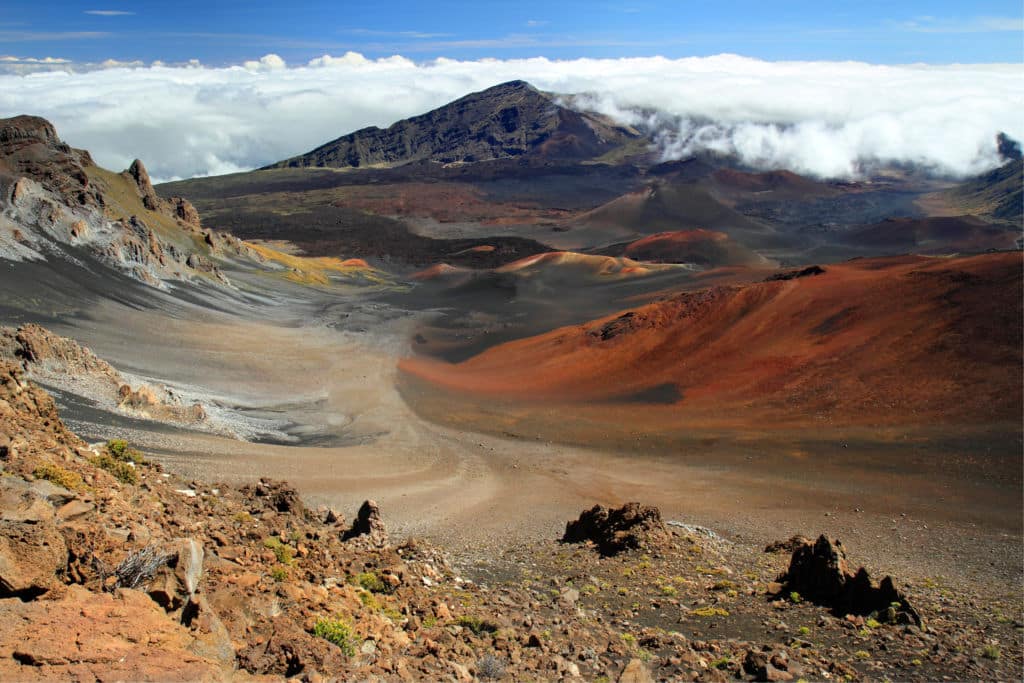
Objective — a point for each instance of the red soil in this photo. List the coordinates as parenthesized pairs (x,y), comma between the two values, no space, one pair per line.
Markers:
(906,340)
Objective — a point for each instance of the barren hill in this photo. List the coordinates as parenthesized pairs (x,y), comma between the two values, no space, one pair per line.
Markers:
(509,120)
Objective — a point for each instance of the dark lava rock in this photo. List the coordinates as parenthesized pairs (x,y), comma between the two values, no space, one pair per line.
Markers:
(789,545)
(368,525)
(794,274)
(819,572)
(613,531)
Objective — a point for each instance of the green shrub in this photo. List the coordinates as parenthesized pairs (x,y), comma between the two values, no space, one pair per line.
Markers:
(990,652)
(337,632)
(721,663)
(279,573)
(59,476)
(710,612)
(370,581)
(124,472)
(476,624)
(119,450)
(282,551)
(795,598)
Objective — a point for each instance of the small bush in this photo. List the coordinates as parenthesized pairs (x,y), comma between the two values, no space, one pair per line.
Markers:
(710,612)
(724,584)
(795,598)
(873,623)
(669,591)
(805,631)
(990,652)
(475,624)
(119,450)
(282,551)
(721,663)
(59,476)
(279,573)
(490,667)
(862,654)
(370,581)
(124,472)
(429,621)
(337,632)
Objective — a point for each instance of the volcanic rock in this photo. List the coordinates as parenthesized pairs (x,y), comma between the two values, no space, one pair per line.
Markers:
(96,636)
(32,555)
(819,572)
(613,531)
(789,545)
(509,120)
(368,525)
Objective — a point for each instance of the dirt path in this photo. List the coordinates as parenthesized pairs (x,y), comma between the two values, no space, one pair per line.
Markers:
(476,494)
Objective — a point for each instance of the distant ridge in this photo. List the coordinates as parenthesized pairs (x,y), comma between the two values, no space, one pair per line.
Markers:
(510,120)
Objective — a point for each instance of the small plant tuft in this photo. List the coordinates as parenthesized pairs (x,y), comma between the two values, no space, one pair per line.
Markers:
(337,632)
(710,612)
(282,551)
(795,598)
(990,651)
(490,667)
(279,573)
(124,472)
(475,624)
(119,450)
(370,581)
(59,476)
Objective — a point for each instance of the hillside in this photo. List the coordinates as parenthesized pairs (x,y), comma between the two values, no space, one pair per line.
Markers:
(509,120)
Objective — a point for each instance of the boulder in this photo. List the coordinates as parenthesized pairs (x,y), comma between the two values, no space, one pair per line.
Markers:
(32,556)
(629,527)
(820,572)
(636,672)
(368,526)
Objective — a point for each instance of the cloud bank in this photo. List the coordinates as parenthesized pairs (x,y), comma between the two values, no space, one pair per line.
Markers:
(830,119)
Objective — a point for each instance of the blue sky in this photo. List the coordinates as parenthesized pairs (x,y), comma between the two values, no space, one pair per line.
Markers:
(231,31)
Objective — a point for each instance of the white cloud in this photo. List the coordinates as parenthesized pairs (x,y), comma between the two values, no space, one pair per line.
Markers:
(823,118)
(108,12)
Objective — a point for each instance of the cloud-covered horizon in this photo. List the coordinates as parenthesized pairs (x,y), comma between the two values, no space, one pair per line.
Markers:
(829,119)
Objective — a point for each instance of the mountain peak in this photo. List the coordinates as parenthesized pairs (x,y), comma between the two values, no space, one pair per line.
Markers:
(505,121)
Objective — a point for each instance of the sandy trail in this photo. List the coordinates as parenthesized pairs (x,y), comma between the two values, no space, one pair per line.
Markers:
(478,493)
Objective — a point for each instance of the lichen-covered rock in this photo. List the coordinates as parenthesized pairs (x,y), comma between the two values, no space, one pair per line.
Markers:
(32,557)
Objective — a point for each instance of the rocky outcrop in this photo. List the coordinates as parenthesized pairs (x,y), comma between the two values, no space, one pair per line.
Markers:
(30,147)
(820,572)
(613,531)
(368,526)
(97,636)
(507,121)
(65,363)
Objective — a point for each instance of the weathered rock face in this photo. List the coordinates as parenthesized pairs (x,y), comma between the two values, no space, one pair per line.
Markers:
(819,572)
(97,636)
(368,526)
(629,527)
(32,557)
(29,146)
(509,120)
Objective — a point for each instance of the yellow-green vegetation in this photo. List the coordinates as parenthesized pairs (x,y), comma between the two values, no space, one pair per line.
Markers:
(315,270)
(990,651)
(629,639)
(724,584)
(370,581)
(873,623)
(805,631)
(915,662)
(124,472)
(59,476)
(862,654)
(284,553)
(123,201)
(721,663)
(589,589)
(120,450)
(795,598)
(710,612)
(242,517)
(429,621)
(476,624)
(337,632)
(279,573)
(670,591)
